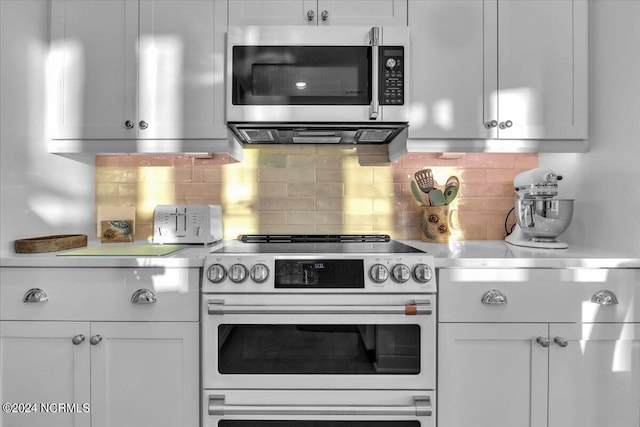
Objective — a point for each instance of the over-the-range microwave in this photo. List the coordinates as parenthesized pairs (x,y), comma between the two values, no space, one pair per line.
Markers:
(317,84)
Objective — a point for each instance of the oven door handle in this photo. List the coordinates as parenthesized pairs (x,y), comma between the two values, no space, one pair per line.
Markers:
(421,407)
(416,307)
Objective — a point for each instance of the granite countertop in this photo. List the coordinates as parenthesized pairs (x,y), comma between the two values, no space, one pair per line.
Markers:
(458,254)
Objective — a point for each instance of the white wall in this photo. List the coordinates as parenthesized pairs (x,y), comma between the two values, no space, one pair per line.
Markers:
(606,181)
(40,193)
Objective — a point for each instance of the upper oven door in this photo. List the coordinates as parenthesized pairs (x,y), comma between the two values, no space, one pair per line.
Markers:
(319,341)
(312,74)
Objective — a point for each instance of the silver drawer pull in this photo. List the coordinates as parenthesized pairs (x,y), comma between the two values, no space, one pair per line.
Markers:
(421,407)
(494,296)
(604,297)
(35,295)
(95,340)
(143,296)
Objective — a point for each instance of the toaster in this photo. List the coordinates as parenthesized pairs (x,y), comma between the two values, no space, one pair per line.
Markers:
(189,224)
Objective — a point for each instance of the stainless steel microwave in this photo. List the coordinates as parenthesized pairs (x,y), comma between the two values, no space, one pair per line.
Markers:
(317,84)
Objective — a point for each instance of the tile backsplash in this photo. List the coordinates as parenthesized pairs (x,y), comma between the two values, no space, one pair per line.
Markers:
(314,189)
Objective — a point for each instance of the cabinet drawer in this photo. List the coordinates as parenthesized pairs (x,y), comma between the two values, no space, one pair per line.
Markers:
(100,294)
(538,295)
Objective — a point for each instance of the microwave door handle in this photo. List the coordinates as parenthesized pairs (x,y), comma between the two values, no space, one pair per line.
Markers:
(421,407)
(374,107)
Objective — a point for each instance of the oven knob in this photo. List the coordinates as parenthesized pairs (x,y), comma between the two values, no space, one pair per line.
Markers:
(400,273)
(216,273)
(379,273)
(259,273)
(422,273)
(237,273)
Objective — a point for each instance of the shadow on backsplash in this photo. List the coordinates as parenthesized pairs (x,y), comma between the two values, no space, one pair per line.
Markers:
(314,189)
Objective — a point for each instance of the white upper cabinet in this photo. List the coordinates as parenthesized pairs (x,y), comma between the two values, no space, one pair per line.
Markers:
(93,69)
(125,69)
(318,12)
(498,69)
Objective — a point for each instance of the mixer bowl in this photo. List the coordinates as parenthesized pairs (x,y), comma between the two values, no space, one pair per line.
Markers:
(543,219)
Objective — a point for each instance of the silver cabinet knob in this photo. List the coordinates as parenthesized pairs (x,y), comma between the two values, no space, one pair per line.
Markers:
(325,15)
(604,297)
(143,124)
(95,340)
(35,295)
(490,124)
(128,124)
(310,15)
(143,296)
(494,296)
(543,341)
(507,124)
(562,342)
(78,339)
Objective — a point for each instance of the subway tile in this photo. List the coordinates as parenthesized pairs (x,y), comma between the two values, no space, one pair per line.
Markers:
(106,190)
(325,189)
(287,203)
(286,175)
(316,218)
(308,188)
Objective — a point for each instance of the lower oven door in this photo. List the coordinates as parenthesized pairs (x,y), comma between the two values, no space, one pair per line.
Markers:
(319,342)
(307,408)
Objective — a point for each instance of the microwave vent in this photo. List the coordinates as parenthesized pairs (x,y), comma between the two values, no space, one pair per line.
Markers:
(373,135)
(258,135)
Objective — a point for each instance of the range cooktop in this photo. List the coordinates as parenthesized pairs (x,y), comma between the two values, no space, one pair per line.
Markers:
(316,243)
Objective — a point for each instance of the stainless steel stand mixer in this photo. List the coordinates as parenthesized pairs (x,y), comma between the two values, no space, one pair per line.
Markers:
(540,217)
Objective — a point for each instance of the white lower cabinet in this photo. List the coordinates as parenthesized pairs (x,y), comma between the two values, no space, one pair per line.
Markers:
(118,371)
(491,375)
(595,380)
(539,348)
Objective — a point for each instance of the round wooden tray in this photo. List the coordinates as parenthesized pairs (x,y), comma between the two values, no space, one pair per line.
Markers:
(60,242)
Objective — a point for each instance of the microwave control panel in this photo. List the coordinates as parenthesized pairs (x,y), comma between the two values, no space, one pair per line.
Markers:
(391,75)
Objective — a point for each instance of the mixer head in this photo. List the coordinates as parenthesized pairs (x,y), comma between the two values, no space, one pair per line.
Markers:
(537,183)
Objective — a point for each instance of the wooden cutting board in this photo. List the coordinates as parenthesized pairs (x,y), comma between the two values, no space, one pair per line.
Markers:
(60,242)
(117,249)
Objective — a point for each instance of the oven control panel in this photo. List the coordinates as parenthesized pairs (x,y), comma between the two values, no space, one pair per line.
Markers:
(408,273)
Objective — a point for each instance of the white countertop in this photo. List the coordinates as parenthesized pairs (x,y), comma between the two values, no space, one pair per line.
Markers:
(462,254)
(498,254)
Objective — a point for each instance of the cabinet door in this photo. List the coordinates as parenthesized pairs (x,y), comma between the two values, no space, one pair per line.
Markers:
(362,12)
(595,380)
(272,12)
(145,374)
(447,51)
(93,69)
(39,364)
(542,69)
(181,78)
(492,375)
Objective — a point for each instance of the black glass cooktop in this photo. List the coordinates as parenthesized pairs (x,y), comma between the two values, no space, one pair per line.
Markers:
(310,244)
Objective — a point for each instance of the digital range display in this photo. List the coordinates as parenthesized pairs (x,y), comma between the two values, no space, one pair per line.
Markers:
(317,274)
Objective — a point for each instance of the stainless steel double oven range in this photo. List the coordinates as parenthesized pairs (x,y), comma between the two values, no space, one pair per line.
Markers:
(322,331)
